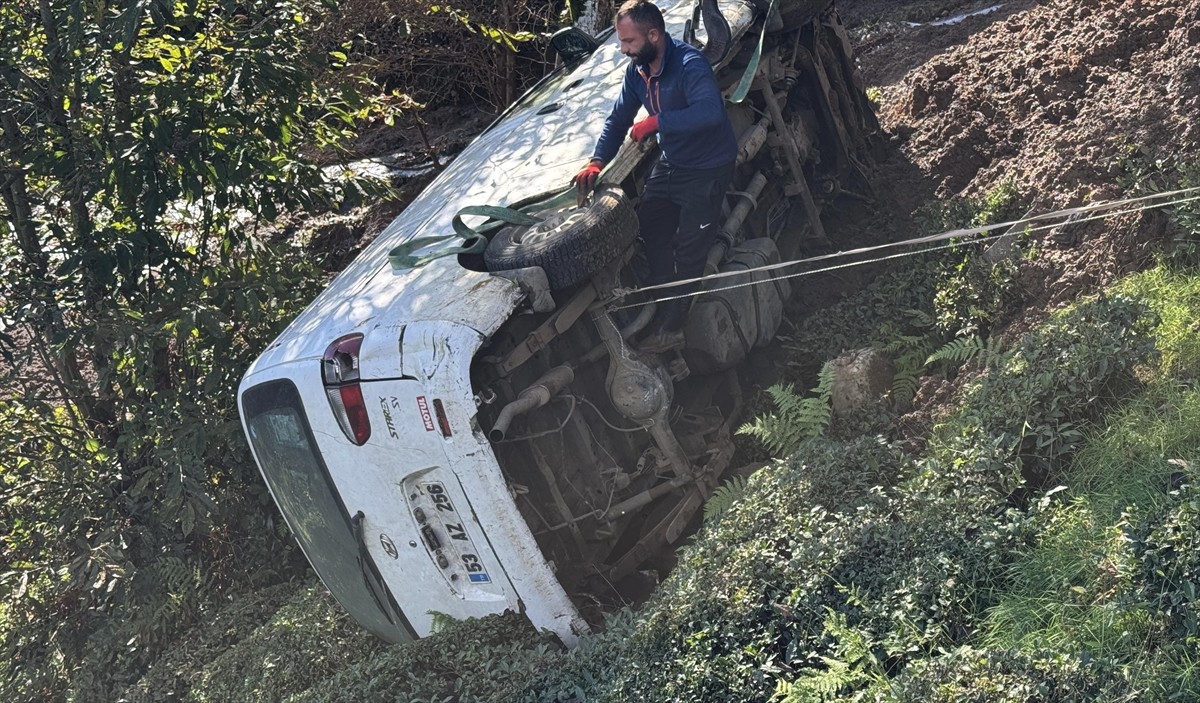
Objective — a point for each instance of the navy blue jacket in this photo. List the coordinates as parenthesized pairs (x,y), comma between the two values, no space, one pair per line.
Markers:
(693,129)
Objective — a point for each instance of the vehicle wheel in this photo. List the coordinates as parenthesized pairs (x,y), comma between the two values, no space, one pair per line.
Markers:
(570,245)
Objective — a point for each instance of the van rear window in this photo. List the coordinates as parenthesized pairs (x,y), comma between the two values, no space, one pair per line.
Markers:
(283,444)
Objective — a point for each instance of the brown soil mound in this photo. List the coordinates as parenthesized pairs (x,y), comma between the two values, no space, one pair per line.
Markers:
(893,37)
(1050,97)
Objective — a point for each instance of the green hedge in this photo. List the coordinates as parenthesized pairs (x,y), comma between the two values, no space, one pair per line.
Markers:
(850,570)
(849,563)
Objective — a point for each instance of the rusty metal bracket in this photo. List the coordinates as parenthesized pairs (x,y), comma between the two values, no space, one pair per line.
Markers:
(545,333)
(792,152)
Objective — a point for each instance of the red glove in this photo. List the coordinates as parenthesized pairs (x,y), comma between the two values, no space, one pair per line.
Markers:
(585,180)
(642,130)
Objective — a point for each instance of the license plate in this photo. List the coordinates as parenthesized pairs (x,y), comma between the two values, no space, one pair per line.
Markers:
(445,534)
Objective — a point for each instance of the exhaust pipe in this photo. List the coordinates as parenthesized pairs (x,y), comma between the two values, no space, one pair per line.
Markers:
(535,396)
(747,202)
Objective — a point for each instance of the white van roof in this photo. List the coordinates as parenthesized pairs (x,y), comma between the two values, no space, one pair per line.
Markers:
(532,151)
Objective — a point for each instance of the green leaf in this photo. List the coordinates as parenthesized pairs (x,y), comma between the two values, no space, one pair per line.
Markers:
(187,522)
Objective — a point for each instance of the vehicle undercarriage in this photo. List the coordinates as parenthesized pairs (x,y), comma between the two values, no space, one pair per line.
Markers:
(610,452)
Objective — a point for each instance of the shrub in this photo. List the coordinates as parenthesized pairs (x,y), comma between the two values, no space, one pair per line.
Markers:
(973,293)
(968,675)
(1056,378)
(488,659)
(1106,570)
(1143,171)
(172,674)
(293,642)
(1168,548)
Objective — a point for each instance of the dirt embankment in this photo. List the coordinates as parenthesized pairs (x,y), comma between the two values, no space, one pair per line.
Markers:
(1051,96)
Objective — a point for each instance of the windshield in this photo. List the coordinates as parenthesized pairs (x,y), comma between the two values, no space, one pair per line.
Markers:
(283,444)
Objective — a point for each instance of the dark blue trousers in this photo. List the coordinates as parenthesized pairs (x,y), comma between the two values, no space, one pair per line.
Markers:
(679,217)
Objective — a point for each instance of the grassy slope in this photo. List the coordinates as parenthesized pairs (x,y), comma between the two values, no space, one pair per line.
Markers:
(854,570)
(1114,570)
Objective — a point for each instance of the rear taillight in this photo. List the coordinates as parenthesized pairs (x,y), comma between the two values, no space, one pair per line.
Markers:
(339,371)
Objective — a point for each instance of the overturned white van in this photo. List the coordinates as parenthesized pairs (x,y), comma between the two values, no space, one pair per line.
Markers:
(474,433)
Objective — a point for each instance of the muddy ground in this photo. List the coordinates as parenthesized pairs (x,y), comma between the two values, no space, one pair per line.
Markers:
(1059,98)
(1070,103)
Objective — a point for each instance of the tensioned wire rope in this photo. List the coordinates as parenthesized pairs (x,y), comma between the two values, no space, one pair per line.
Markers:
(1095,211)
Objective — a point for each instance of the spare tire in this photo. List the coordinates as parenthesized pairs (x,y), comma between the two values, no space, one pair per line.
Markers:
(570,244)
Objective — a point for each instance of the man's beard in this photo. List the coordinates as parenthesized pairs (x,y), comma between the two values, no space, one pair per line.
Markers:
(646,55)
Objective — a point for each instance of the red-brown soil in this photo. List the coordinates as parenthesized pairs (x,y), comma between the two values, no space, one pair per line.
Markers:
(1051,96)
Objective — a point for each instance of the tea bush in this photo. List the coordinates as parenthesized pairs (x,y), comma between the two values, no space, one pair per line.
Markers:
(854,542)
(1168,551)
(488,659)
(173,674)
(969,675)
(1056,378)
(293,642)
(872,316)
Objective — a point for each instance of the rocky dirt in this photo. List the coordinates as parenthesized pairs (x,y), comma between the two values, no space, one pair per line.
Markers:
(1067,101)
(1053,97)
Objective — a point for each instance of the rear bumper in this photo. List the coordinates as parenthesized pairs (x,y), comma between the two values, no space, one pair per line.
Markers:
(439,520)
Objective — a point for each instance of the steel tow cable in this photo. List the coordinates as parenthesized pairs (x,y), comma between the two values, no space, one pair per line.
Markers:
(1095,211)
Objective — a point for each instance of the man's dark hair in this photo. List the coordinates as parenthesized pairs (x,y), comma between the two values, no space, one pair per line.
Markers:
(645,15)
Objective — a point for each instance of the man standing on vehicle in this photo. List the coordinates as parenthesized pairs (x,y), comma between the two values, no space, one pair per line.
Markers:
(680,209)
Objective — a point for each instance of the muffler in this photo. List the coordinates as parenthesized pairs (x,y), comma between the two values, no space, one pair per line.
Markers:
(535,396)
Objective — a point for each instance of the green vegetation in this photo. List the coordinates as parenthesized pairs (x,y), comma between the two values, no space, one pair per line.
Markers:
(796,419)
(1044,544)
(854,571)
(1143,171)
(974,293)
(938,307)
(155,157)
(1114,570)
(149,149)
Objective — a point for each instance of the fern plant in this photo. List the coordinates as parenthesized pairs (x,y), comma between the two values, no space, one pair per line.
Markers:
(724,497)
(908,350)
(854,666)
(962,349)
(907,353)
(797,419)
